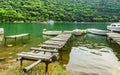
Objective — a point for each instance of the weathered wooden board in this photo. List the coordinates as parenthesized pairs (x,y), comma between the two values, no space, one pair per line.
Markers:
(31,66)
(52,42)
(34,55)
(16,36)
(50,46)
(115,37)
(45,50)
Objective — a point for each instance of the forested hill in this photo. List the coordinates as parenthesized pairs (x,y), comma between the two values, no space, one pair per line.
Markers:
(59,10)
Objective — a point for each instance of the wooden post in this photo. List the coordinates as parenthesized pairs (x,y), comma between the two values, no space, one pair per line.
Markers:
(21,62)
(28,36)
(46,62)
(15,40)
(61,54)
(5,41)
(60,51)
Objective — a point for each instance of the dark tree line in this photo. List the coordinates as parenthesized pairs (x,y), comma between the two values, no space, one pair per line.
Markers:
(59,10)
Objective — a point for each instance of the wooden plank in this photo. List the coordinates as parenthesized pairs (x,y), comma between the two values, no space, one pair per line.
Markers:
(45,50)
(58,39)
(64,35)
(50,46)
(34,53)
(19,35)
(53,42)
(37,56)
(118,42)
(115,37)
(31,66)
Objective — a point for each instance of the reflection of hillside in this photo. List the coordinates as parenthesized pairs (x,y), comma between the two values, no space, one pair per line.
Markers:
(96,38)
(90,40)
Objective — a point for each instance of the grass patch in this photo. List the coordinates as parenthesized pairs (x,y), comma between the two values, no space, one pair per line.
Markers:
(54,68)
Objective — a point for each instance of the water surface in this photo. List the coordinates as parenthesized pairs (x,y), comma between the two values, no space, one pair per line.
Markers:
(35,29)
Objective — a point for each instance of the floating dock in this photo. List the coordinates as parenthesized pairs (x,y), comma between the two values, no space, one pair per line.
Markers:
(115,37)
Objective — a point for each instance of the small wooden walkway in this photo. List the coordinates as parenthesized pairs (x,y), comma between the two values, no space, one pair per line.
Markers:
(115,37)
(16,36)
(45,52)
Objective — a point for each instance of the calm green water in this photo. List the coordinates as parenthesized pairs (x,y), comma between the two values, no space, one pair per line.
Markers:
(35,29)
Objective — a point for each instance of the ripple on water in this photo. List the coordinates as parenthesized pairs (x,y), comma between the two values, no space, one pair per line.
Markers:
(85,61)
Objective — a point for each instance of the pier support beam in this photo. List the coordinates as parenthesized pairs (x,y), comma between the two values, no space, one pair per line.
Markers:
(26,69)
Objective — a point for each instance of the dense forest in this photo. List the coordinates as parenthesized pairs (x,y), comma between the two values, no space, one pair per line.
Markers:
(59,10)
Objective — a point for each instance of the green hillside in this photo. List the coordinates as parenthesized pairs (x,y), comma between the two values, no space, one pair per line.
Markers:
(59,10)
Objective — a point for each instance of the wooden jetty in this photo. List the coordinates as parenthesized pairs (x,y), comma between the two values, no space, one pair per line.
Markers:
(115,37)
(46,52)
(38,57)
(57,42)
(16,36)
